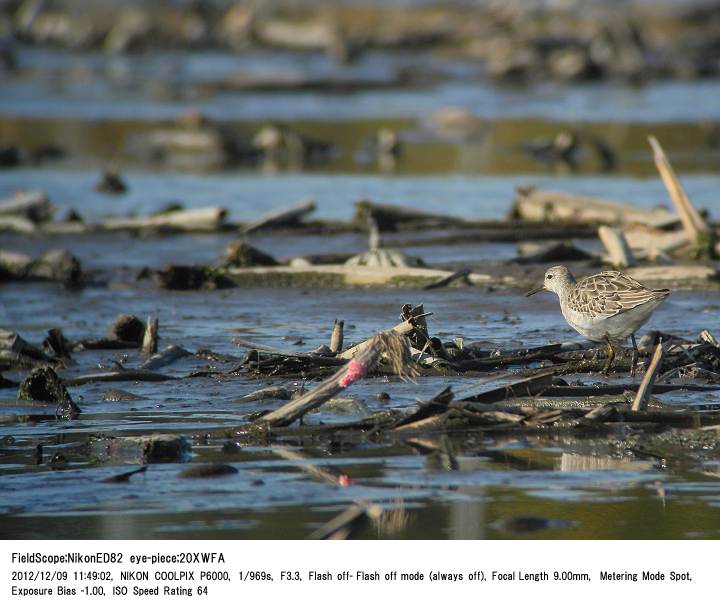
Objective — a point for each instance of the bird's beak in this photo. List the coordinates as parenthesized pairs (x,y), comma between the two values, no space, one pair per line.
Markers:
(536,290)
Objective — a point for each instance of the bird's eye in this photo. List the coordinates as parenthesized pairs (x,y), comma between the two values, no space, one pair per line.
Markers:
(548,277)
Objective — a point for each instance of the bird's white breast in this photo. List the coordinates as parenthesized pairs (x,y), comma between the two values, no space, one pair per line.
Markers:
(618,327)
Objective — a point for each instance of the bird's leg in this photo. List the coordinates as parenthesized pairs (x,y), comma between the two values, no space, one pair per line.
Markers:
(635,355)
(611,356)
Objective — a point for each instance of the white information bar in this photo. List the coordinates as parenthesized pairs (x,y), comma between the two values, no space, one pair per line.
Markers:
(297,574)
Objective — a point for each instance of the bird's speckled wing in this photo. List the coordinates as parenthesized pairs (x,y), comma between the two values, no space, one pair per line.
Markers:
(609,293)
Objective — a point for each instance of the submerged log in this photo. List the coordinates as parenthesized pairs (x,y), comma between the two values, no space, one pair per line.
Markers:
(160,448)
(124,477)
(268,393)
(460,275)
(240,253)
(118,395)
(536,253)
(391,217)
(166,357)
(100,344)
(119,375)
(188,277)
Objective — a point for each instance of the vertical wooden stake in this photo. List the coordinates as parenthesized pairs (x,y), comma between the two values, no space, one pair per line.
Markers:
(646,387)
(150,339)
(695,227)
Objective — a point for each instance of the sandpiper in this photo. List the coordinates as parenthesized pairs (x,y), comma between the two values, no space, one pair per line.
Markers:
(607,306)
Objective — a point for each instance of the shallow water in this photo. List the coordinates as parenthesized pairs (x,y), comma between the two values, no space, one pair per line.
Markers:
(536,485)
(94,86)
(568,482)
(248,195)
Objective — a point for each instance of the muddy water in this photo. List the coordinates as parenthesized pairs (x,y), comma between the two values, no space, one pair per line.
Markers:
(497,486)
(460,486)
(67,84)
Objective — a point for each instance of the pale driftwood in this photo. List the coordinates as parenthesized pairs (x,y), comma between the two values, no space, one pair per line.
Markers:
(167,356)
(547,206)
(305,35)
(387,343)
(33,206)
(14,264)
(283,217)
(66,228)
(651,241)
(203,219)
(621,256)
(17,224)
(336,339)
(150,339)
(697,230)
(707,337)
(687,273)
(646,387)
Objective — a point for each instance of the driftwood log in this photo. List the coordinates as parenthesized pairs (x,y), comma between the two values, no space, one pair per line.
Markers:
(284,217)
(203,219)
(546,206)
(391,344)
(621,256)
(33,206)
